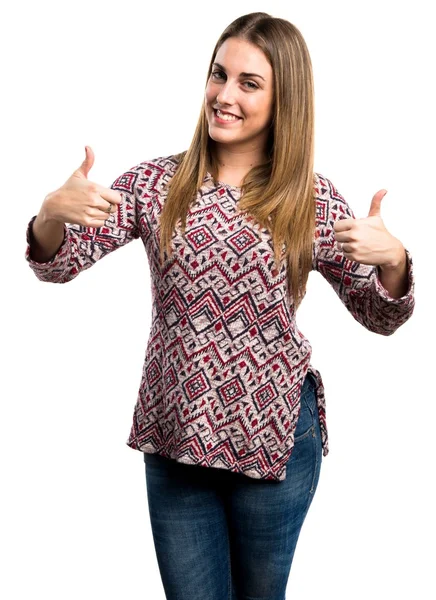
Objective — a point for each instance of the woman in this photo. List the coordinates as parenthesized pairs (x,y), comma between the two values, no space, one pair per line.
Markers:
(232,228)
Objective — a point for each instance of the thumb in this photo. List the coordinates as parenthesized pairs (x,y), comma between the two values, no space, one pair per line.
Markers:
(374,210)
(87,164)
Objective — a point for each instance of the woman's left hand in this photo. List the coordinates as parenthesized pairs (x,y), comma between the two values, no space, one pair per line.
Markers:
(367,241)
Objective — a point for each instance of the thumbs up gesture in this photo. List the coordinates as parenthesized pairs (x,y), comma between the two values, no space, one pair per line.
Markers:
(81,201)
(367,240)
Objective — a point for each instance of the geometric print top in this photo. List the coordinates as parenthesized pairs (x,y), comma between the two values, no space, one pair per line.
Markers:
(225,360)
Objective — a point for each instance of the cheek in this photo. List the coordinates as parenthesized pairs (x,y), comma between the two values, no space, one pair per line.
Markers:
(209,94)
(261,111)
(267,111)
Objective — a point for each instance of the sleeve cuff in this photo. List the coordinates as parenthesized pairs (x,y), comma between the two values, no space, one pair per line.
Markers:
(408,296)
(44,266)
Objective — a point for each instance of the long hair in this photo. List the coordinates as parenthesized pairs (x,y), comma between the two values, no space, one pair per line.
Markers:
(280,193)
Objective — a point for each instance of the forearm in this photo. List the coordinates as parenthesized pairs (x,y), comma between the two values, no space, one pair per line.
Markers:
(394,277)
(46,237)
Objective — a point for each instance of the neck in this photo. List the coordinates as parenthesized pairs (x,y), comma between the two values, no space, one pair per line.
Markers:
(233,165)
(244,160)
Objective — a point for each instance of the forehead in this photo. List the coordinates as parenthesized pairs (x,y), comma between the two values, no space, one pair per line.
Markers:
(239,56)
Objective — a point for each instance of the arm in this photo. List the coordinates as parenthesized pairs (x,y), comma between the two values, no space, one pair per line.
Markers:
(81,247)
(395,278)
(46,237)
(360,286)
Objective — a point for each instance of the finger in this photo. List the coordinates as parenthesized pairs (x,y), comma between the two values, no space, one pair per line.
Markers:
(109,195)
(87,164)
(346,249)
(343,225)
(105,200)
(374,210)
(99,215)
(97,203)
(344,236)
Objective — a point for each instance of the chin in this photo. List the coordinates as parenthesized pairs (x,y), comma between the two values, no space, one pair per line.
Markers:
(223,137)
(225,141)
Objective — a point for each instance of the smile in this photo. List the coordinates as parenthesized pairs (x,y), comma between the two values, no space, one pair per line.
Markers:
(225,117)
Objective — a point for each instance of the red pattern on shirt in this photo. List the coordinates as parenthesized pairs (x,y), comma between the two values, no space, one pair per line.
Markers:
(225,360)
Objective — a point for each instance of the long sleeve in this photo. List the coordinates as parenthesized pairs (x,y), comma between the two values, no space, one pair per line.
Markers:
(83,246)
(357,285)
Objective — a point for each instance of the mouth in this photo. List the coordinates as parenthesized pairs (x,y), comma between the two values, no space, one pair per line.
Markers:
(225,117)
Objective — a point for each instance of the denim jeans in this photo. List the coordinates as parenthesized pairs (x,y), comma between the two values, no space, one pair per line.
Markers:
(220,535)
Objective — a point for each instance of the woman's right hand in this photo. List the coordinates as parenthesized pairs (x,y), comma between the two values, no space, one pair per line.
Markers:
(79,200)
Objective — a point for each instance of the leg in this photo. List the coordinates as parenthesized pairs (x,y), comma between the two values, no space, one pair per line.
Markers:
(265,517)
(189,528)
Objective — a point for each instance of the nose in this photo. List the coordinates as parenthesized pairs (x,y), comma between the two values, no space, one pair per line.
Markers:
(226,94)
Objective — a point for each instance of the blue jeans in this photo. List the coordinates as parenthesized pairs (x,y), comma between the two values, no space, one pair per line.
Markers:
(220,535)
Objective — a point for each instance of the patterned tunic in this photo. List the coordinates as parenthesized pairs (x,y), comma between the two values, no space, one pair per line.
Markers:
(225,360)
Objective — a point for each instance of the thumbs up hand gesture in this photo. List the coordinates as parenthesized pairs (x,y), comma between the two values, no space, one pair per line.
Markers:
(367,240)
(81,201)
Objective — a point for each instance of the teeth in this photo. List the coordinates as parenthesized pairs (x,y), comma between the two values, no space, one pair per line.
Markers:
(226,117)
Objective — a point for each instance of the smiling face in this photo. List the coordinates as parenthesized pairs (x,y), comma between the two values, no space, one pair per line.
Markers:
(239,96)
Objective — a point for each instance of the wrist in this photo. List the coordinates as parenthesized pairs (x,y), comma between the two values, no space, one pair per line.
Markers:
(397,262)
(46,214)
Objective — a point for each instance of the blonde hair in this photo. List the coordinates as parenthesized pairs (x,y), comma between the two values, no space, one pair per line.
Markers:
(280,193)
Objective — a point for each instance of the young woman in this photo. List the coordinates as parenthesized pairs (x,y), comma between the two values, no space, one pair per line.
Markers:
(230,414)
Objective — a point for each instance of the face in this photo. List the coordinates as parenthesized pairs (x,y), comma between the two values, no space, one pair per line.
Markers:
(239,96)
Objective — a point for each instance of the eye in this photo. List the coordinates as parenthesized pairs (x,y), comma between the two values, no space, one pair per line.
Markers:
(217,74)
(220,75)
(251,85)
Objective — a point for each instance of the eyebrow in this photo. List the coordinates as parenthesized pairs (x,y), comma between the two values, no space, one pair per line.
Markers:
(241,74)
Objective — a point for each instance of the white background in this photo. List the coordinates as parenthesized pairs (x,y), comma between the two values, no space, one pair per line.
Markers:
(127,79)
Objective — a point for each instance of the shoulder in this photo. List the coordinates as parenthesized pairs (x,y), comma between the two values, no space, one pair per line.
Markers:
(325,190)
(330,204)
(149,175)
(163,164)
(156,172)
